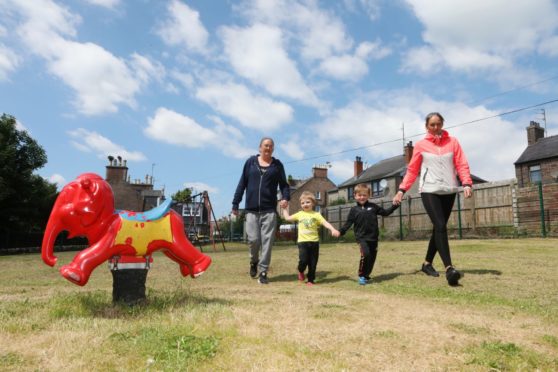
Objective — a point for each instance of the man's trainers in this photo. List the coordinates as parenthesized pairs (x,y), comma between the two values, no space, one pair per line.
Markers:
(428,269)
(453,276)
(263,278)
(254,270)
(301,276)
(362,280)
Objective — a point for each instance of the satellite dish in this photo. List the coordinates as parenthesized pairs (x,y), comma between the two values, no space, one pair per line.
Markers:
(383,183)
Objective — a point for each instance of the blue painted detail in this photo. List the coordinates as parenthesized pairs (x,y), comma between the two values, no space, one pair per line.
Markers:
(151,215)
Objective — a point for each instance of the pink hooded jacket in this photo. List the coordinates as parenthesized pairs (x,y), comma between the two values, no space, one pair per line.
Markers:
(438,159)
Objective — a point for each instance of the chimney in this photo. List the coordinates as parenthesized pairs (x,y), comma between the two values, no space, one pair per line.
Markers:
(115,173)
(358,166)
(408,152)
(534,133)
(319,171)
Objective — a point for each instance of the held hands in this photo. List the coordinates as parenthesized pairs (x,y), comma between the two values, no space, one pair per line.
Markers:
(283,204)
(397,198)
(335,233)
(467,192)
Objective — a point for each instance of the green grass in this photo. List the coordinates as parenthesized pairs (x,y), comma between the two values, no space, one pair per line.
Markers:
(503,316)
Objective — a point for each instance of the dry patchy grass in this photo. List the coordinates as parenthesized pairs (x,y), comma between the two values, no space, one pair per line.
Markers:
(504,316)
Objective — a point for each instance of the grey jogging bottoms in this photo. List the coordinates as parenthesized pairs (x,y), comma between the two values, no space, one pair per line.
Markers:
(260,231)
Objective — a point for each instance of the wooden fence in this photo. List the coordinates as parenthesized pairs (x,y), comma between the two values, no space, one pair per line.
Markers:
(497,209)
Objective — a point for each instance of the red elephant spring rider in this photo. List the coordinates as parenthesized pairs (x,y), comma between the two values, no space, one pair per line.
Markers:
(85,207)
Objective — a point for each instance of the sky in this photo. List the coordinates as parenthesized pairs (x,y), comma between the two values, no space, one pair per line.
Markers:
(184,90)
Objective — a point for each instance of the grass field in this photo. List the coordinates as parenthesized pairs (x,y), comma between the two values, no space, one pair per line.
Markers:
(503,316)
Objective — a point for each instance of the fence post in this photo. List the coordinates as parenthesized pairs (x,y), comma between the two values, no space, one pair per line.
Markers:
(401,222)
(541,204)
(459,217)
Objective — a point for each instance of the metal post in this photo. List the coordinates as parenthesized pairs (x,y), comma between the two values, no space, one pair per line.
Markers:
(401,222)
(459,217)
(541,204)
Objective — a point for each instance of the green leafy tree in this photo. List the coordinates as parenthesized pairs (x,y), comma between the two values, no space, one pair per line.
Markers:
(26,199)
(182,196)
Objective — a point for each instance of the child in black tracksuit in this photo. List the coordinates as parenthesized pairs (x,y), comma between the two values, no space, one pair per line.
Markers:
(364,216)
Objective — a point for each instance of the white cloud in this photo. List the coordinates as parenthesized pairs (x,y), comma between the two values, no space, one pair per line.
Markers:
(344,67)
(110,4)
(58,179)
(237,102)
(292,148)
(146,70)
(88,141)
(549,46)
(177,129)
(9,62)
(374,126)
(200,187)
(171,127)
(342,169)
(101,80)
(320,33)
(257,53)
(465,35)
(183,28)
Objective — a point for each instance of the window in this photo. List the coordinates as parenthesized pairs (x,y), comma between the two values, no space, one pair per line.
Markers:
(186,212)
(351,193)
(535,173)
(318,209)
(191,210)
(317,195)
(376,189)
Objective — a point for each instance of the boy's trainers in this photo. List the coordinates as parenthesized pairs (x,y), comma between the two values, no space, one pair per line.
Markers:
(254,270)
(362,280)
(301,276)
(429,270)
(453,276)
(310,284)
(263,278)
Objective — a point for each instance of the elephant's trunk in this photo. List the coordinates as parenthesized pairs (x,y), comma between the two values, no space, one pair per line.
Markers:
(47,251)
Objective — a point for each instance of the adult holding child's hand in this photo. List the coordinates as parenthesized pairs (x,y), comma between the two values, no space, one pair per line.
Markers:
(261,176)
(438,157)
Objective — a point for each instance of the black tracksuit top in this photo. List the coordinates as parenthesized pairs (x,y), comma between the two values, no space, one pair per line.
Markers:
(365,220)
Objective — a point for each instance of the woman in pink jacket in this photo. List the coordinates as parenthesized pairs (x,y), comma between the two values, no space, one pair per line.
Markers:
(438,158)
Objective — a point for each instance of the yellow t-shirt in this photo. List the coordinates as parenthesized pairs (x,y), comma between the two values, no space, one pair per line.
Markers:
(308,224)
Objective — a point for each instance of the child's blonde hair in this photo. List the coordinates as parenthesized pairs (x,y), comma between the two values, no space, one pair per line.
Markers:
(363,188)
(308,195)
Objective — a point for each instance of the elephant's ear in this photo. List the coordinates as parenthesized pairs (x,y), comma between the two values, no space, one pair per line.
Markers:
(92,201)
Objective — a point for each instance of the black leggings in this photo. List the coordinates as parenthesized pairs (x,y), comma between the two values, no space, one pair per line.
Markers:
(439,209)
(308,254)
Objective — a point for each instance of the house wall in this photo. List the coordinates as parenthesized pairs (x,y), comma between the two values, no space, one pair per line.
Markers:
(320,184)
(496,209)
(549,171)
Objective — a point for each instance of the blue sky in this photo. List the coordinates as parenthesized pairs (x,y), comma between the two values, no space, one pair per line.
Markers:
(186,89)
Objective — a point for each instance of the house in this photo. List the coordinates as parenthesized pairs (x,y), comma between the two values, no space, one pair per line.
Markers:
(133,195)
(539,161)
(196,216)
(318,185)
(384,177)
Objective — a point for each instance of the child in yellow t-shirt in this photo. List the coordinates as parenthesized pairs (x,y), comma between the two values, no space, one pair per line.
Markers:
(308,240)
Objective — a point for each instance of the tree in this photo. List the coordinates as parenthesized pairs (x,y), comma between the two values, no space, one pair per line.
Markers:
(182,196)
(26,199)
